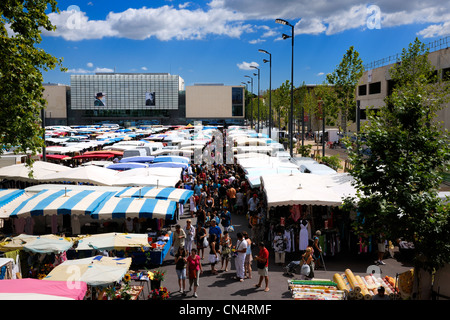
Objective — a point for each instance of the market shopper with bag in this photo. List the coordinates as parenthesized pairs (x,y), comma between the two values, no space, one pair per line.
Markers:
(194,269)
(307,264)
(262,260)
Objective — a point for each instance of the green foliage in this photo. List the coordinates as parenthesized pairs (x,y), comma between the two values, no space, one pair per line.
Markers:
(345,79)
(331,161)
(305,150)
(21,100)
(398,180)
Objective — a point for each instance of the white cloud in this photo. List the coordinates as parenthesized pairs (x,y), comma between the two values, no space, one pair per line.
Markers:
(246,65)
(310,26)
(89,64)
(233,18)
(320,74)
(164,23)
(103,70)
(80,70)
(85,71)
(144,68)
(436,30)
(256,41)
(184,5)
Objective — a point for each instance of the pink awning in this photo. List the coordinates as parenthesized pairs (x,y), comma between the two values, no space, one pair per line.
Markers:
(35,289)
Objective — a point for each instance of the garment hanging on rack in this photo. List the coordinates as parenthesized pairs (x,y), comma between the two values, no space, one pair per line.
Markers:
(287,235)
(296,212)
(303,236)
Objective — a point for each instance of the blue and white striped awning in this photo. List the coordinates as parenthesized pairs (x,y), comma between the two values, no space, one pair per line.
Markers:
(173,194)
(117,207)
(71,202)
(8,195)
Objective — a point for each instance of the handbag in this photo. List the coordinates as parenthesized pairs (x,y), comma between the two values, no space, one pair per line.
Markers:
(230,229)
(205,242)
(305,270)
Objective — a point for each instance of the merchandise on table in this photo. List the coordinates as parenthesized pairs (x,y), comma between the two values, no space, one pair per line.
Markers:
(315,290)
(405,283)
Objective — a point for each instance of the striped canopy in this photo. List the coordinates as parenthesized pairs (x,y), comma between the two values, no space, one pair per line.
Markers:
(8,195)
(49,202)
(173,194)
(117,207)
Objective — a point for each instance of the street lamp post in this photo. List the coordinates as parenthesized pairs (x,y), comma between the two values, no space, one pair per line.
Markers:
(285,36)
(254,67)
(251,104)
(270,89)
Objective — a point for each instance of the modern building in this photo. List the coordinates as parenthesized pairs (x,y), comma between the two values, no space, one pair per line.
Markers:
(376,84)
(131,99)
(215,104)
(126,98)
(58,100)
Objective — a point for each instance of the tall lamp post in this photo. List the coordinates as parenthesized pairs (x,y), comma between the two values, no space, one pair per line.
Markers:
(251,104)
(270,89)
(254,67)
(291,113)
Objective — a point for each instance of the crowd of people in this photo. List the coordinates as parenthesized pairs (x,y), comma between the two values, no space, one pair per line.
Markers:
(220,192)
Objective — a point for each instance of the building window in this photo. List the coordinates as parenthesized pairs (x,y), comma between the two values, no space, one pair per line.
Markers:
(237,100)
(362,90)
(375,88)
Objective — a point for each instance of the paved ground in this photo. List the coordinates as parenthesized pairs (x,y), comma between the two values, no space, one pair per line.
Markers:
(224,287)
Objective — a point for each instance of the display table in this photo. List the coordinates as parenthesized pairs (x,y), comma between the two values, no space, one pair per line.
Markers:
(157,257)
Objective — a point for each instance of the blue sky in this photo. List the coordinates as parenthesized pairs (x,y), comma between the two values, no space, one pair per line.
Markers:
(214,41)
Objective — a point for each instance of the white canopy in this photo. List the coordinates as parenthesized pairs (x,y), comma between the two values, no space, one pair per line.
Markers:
(84,174)
(95,271)
(20,172)
(307,189)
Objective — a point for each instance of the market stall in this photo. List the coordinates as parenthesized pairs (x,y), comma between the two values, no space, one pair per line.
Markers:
(300,204)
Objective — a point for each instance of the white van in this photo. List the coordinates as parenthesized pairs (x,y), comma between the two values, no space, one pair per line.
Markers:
(134,153)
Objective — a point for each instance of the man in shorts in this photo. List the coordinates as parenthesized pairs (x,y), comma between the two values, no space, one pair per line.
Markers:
(263,266)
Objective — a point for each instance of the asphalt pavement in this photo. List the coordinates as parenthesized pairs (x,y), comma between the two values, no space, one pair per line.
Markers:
(223,287)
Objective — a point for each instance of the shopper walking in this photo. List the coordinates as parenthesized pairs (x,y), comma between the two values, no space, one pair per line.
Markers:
(263,266)
(213,252)
(190,235)
(200,236)
(179,238)
(180,267)
(241,249)
(226,250)
(194,269)
(248,256)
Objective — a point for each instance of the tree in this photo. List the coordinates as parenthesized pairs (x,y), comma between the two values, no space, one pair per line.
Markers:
(345,79)
(21,99)
(396,166)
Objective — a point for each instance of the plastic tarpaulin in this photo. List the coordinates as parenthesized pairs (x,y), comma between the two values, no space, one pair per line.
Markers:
(113,241)
(38,244)
(35,289)
(95,271)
